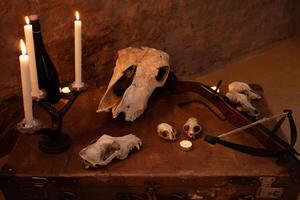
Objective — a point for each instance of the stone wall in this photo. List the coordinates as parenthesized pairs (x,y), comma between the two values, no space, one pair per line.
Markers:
(198,34)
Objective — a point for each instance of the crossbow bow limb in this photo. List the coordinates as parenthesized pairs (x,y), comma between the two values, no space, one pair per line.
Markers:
(275,145)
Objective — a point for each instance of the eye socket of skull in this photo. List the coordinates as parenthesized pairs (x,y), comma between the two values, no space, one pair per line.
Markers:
(164,134)
(197,129)
(162,73)
(125,81)
(111,149)
(173,131)
(186,128)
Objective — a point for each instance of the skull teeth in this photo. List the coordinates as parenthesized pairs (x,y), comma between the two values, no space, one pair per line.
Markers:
(137,146)
(116,147)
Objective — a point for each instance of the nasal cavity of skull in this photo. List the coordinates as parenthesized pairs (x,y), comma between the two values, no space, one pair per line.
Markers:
(162,73)
(112,148)
(125,81)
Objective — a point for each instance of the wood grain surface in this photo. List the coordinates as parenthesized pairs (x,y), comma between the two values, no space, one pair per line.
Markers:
(157,158)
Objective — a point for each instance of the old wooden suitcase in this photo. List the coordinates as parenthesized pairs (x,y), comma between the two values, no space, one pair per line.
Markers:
(160,170)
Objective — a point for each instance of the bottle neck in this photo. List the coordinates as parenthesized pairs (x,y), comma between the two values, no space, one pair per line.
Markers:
(36,27)
(37,34)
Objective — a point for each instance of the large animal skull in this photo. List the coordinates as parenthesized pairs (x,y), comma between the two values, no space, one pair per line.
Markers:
(106,148)
(137,73)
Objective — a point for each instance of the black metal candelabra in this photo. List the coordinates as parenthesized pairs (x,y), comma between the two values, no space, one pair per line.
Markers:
(53,140)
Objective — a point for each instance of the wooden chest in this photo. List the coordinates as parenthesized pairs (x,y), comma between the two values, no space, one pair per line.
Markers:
(160,170)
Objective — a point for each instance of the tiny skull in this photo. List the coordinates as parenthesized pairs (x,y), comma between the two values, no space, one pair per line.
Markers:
(245,104)
(243,88)
(106,148)
(192,128)
(166,132)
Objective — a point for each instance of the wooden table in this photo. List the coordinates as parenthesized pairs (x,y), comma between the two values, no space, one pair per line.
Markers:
(160,169)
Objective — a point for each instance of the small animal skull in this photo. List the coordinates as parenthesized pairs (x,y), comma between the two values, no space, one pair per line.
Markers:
(137,73)
(244,88)
(192,128)
(245,103)
(166,132)
(106,148)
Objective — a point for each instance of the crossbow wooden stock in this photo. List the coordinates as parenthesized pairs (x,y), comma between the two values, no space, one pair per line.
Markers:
(275,145)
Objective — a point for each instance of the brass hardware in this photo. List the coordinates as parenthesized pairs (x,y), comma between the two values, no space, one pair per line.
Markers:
(266,190)
(68,196)
(39,181)
(266,181)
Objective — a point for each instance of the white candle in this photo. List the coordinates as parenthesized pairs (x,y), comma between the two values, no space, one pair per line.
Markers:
(78,53)
(186,145)
(65,90)
(35,91)
(26,85)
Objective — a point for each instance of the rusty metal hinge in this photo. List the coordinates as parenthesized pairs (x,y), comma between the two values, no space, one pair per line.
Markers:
(267,191)
(266,181)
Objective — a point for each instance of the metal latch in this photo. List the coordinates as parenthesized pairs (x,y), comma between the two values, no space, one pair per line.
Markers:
(68,196)
(266,190)
(39,181)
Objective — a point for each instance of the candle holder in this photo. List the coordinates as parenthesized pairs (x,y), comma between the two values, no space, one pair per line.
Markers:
(41,95)
(53,140)
(24,127)
(82,87)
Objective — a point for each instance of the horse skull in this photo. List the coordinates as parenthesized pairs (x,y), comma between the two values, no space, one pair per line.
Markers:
(137,73)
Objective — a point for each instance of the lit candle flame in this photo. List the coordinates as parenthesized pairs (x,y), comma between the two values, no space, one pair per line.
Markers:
(27,20)
(65,90)
(23,47)
(77,15)
(214,88)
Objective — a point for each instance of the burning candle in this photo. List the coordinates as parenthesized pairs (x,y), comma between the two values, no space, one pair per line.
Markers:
(65,90)
(77,37)
(26,85)
(214,88)
(35,91)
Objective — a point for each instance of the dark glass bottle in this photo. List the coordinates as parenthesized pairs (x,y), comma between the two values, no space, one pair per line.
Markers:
(47,74)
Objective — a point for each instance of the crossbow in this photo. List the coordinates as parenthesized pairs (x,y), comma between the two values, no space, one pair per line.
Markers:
(275,145)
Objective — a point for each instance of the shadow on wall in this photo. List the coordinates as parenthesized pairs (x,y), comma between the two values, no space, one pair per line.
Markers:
(198,34)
